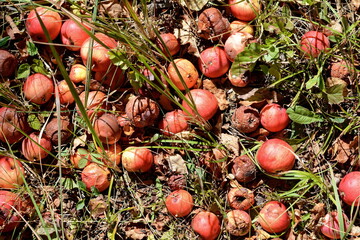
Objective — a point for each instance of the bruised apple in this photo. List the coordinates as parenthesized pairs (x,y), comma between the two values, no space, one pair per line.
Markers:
(38,88)
(171,43)
(111,154)
(275,155)
(94,103)
(137,159)
(273,217)
(207,225)
(330,225)
(173,122)
(35,148)
(187,71)
(51,20)
(204,101)
(96,176)
(11,172)
(179,203)
(65,96)
(213,62)
(107,128)
(100,60)
(12,123)
(238,222)
(72,35)
(52,130)
(236,44)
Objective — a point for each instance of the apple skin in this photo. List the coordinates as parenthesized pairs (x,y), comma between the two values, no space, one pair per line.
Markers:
(38,88)
(313,43)
(213,62)
(179,203)
(112,154)
(80,153)
(187,71)
(51,20)
(275,155)
(100,57)
(243,10)
(349,188)
(72,35)
(11,172)
(32,151)
(97,176)
(107,128)
(11,122)
(238,222)
(205,102)
(137,159)
(173,122)
(273,217)
(9,219)
(207,225)
(77,73)
(95,103)
(171,42)
(330,225)
(274,118)
(65,94)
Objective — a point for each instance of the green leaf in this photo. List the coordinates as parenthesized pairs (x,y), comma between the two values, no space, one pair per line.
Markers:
(23,71)
(82,151)
(31,48)
(312,82)
(303,115)
(195,5)
(335,93)
(82,185)
(4,41)
(34,121)
(83,162)
(38,66)
(80,205)
(118,58)
(251,54)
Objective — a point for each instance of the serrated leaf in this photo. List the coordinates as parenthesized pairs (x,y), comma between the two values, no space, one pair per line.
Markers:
(31,48)
(335,94)
(195,5)
(38,66)
(23,71)
(4,41)
(303,115)
(34,121)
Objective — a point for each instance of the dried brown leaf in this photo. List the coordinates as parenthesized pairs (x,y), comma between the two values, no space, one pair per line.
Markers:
(231,143)
(187,35)
(177,164)
(219,93)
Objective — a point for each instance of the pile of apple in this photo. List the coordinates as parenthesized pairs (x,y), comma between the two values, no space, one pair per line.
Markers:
(142,111)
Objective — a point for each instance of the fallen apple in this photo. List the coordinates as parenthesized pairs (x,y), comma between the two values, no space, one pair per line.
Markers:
(349,188)
(207,225)
(136,159)
(273,217)
(96,176)
(213,62)
(38,88)
(72,35)
(35,148)
(12,125)
(205,104)
(11,172)
(179,203)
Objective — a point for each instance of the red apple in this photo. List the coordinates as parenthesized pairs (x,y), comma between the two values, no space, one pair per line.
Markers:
(205,103)
(51,20)
(97,176)
(313,43)
(80,158)
(330,225)
(77,73)
(111,154)
(100,61)
(72,35)
(207,225)
(10,207)
(12,124)
(274,118)
(236,44)
(107,128)
(275,155)
(113,78)
(245,10)
(95,103)
(11,173)
(187,71)
(213,62)
(137,159)
(173,122)
(238,223)
(35,148)
(65,96)
(349,188)
(38,88)
(171,43)
(179,203)
(273,217)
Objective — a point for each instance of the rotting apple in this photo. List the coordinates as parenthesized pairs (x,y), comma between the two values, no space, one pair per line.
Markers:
(8,63)
(240,198)
(274,217)
(330,225)
(236,44)
(51,20)
(95,104)
(245,119)
(72,35)
(173,122)
(212,25)
(207,225)
(65,95)
(313,43)
(100,60)
(243,168)
(349,188)
(245,10)
(52,127)
(171,43)
(96,176)
(113,78)
(275,155)
(188,73)
(38,88)
(77,73)
(273,117)
(107,128)
(12,123)
(10,207)
(204,101)
(179,203)
(238,222)
(35,148)
(11,172)
(111,154)
(241,26)
(342,69)
(213,62)
(142,111)
(80,158)
(136,159)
